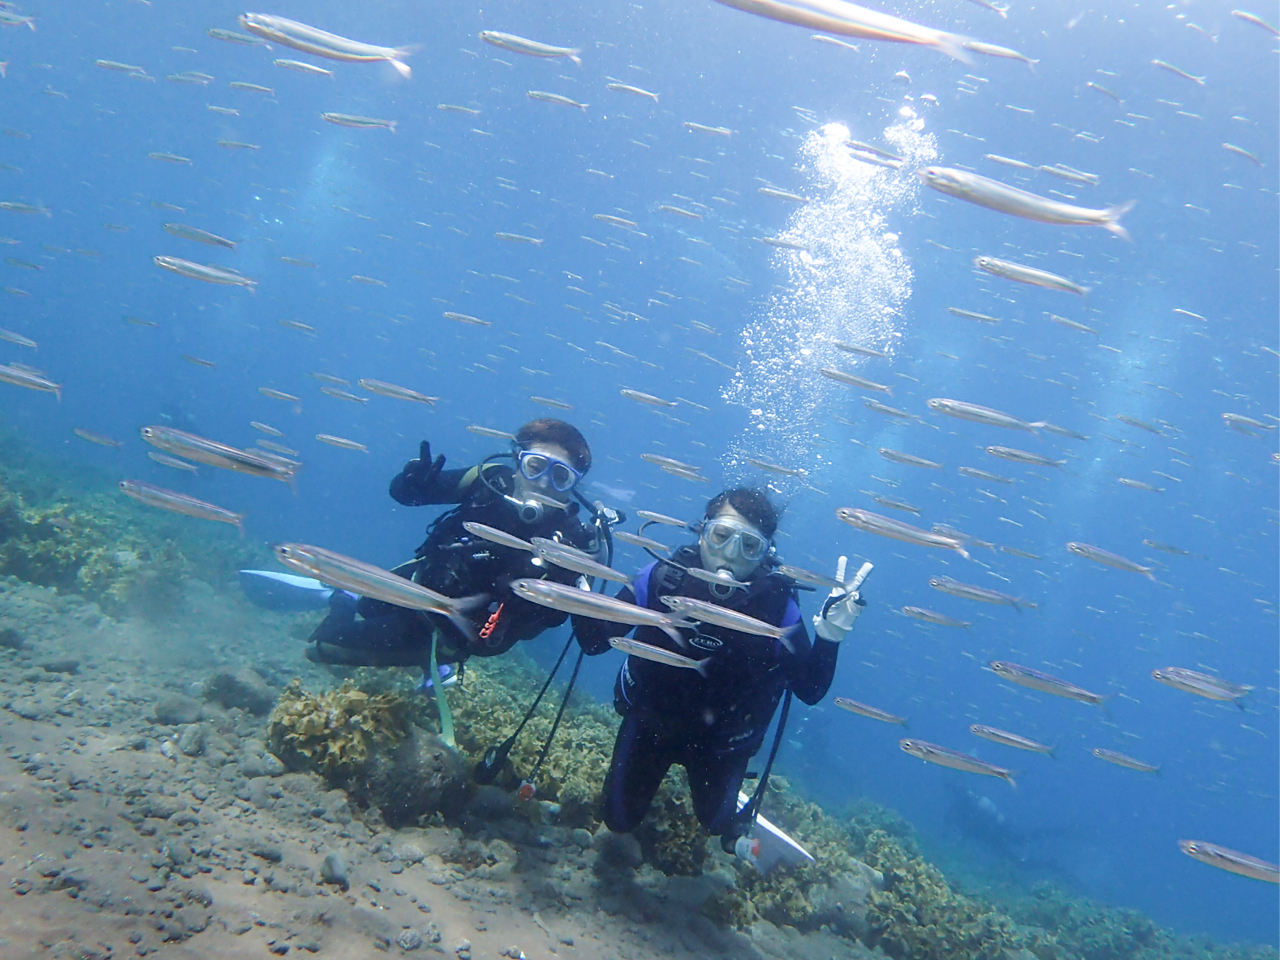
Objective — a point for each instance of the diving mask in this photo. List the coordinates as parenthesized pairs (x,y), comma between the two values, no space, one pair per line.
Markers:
(729,544)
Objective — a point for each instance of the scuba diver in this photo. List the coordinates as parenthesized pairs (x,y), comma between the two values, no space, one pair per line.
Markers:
(712,719)
(533,497)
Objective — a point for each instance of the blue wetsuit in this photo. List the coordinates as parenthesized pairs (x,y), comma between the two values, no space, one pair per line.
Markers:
(712,725)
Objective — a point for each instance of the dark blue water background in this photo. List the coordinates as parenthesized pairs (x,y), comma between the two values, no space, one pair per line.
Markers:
(418,209)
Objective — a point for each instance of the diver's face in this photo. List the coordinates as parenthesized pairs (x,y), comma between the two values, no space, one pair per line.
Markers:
(544,468)
(731,542)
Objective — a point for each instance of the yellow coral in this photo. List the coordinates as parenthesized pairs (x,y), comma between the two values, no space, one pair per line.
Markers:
(333,732)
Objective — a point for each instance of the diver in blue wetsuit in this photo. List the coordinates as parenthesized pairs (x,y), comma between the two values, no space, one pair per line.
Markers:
(713,724)
(535,497)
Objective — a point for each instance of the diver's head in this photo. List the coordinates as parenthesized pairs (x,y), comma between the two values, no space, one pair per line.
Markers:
(551,457)
(737,533)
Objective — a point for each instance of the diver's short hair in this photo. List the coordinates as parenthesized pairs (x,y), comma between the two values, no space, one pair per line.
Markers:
(551,430)
(752,504)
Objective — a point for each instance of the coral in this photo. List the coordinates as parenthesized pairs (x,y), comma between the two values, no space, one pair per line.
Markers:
(670,835)
(334,732)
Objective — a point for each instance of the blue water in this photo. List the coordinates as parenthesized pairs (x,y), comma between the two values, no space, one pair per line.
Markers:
(418,209)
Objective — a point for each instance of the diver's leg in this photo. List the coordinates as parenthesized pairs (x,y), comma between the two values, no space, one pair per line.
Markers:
(714,782)
(639,763)
(400,638)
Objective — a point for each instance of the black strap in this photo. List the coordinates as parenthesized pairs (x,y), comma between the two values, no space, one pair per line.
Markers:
(564,702)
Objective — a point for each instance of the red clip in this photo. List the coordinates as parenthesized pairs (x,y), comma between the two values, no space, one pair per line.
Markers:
(526,791)
(492,623)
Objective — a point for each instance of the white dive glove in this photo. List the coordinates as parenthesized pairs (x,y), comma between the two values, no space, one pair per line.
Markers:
(843,606)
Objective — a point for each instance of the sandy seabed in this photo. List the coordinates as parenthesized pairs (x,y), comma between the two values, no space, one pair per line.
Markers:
(138,818)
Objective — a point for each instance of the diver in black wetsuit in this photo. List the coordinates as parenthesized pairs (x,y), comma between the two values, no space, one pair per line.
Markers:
(713,724)
(550,456)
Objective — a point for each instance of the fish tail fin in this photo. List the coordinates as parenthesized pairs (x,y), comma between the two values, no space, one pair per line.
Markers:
(906,723)
(573,55)
(391,125)
(701,667)
(240,525)
(670,630)
(1007,777)
(1105,704)
(1084,291)
(4,69)
(1053,752)
(31,22)
(963,552)
(1113,215)
(457,614)
(954,45)
(1003,11)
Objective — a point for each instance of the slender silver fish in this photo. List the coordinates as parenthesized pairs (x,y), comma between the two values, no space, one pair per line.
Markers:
(801,575)
(1124,760)
(583,603)
(977,414)
(1003,198)
(647,651)
(359,123)
(1107,558)
(907,459)
(205,272)
(494,535)
(154,496)
(651,517)
(1023,456)
(560,99)
(971,315)
(647,543)
(954,759)
(1165,65)
(722,578)
(866,710)
(198,235)
(977,474)
(1231,860)
(937,619)
(634,91)
(705,612)
(32,381)
(530,48)
(347,573)
(992,50)
(861,351)
(1026,677)
(1257,21)
(968,591)
(1073,324)
(850,20)
(1202,684)
(570,558)
(299,67)
(1030,275)
(202,450)
(996,735)
(385,389)
(894,529)
(307,39)
(854,381)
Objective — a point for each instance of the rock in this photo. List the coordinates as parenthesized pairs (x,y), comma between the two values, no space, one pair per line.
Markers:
(255,761)
(11,639)
(243,689)
(463,949)
(267,851)
(333,870)
(159,806)
(263,793)
(177,709)
(491,803)
(410,939)
(841,902)
(191,739)
(618,850)
(67,665)
(409,853)
(582,838)
(418,776)
(38,707)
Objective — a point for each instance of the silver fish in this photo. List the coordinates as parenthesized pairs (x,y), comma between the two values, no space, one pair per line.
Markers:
(347,573)
(385,389)
(154,496)
(1107,558)
(1202,684)
(876,407)
(32,381)
(854,381)
(530,48)
(971,315)
(1003,198)
(634,91)
(1073,324)
(647,398)
(800,575)
(490,432)
(688,608)
(721,578)
(299,67)
(968,591)
(321,43)
(494,535)
(205,272)
(546,97)
(977,474)
(1063,172)
(359,123)
(861,351)
(1231,860)
(198,235)
(584,603)
(866,710)
(570,558)
(651,517)
(996,735)
(992,50)
(932,616)
(1124,760)
(850,20)
(884,526)
(1023,456)
(635,540)
(1030,275)
(201,450)
(1165,65)
(897,456)
(977,414)
(954,759)
(781,194)
(646,651)
(1035,680)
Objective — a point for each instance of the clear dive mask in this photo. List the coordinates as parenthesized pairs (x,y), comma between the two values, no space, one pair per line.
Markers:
(729,544)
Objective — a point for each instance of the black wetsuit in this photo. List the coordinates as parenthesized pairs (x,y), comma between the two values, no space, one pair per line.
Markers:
(712,725)
(456,564)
